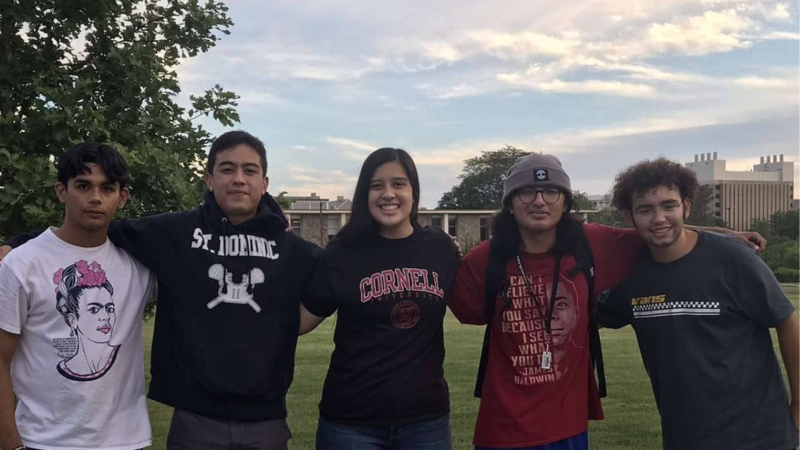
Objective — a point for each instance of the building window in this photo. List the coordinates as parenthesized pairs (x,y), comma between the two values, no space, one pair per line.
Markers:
(716,204)
(716,213)
(297,225)
(452,226)
(333,225)
(436,221)
(716,195)
(485,221)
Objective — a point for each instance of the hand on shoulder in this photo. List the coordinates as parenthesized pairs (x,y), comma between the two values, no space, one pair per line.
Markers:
(4,251)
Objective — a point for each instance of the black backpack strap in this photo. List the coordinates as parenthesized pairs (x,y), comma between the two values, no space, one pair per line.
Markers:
(585,258)
(495,273)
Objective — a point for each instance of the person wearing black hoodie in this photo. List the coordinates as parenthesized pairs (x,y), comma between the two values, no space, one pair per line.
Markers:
(230,280)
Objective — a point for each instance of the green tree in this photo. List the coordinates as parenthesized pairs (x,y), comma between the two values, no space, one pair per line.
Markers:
(94,70)
(786,224)
(762,227)
(581,200)
(782,253)
(284,202)
(608,216)
(702,212)
(481,185)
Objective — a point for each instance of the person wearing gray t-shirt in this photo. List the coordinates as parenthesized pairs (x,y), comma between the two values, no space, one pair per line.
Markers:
(702,305)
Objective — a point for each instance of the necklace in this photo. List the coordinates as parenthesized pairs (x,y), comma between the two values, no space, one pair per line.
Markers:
(547,319)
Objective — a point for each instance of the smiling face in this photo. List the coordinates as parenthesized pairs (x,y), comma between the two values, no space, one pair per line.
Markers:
(658,216)
(390,200)
(96,315)
(564,315)
(237,181)
(90,199)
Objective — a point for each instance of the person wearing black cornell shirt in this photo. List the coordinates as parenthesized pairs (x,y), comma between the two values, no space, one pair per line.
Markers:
(389,278)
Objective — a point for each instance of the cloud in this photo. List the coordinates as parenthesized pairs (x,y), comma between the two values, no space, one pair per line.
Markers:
(326,183)
(344,142)
(700,35)
(758,82)
(582,87)
(781,36)
(260,99)
(523,45)
(780,13)
(461,90)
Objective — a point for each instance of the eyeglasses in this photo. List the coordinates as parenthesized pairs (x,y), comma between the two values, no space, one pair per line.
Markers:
(650,211)
(549,195)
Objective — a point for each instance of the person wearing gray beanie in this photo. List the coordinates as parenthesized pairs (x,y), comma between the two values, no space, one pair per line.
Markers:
(535,171)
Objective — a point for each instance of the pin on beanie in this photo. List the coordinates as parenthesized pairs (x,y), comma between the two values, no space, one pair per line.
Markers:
(535,171)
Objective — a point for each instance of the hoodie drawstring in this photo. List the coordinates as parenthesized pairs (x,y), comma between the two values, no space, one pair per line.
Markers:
(250,283)
(225,243)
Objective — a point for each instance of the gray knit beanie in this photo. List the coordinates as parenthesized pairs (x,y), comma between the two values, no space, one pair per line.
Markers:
(535,171)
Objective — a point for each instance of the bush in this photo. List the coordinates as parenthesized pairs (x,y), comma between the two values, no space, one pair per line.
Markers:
(787,275)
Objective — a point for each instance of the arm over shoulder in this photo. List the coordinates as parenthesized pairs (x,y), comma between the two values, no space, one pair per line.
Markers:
(468,302)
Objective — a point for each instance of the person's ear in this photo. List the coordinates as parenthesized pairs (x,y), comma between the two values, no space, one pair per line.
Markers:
(123,197)
(61,192)
(208,178)
(687,208)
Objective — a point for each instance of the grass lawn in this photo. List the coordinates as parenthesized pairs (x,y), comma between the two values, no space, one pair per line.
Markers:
(632,421)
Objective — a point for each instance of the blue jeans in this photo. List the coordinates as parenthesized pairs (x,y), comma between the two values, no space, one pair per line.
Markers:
(427,435)
(577,442)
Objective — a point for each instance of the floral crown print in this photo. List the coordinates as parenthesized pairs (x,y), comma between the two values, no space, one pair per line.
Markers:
(91,275)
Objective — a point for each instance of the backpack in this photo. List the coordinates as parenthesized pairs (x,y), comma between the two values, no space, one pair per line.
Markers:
(495,280)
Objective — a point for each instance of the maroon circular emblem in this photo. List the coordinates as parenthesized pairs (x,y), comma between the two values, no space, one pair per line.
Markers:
(405,314)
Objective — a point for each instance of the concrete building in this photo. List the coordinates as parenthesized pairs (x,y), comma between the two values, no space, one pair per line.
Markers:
(740,197)
(314,203)
(470,227)
(599,202)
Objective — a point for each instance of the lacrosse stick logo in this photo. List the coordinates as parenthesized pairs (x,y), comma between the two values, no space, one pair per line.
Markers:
(230,292)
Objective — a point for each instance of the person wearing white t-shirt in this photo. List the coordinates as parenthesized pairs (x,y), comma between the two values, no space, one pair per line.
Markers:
(71,306)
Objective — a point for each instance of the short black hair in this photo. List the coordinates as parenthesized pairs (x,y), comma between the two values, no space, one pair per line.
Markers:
(76,162)
(649,174)
(231,139)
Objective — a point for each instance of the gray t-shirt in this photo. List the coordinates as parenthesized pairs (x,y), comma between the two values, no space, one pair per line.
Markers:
(702,323)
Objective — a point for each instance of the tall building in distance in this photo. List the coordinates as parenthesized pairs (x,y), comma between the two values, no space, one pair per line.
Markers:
(740,197)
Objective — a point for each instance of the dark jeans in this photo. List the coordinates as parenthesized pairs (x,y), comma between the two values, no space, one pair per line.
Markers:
(427,435)
(190,431)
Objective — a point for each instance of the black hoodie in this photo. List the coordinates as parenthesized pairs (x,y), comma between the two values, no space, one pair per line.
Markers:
(228,314)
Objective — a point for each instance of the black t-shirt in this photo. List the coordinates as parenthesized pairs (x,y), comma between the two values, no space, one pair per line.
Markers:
(702,323)
(391,295)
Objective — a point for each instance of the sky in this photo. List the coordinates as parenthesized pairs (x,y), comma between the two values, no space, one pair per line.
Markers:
(599,84)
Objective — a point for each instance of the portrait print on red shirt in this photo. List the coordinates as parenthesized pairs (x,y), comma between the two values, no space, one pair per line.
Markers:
(522,323)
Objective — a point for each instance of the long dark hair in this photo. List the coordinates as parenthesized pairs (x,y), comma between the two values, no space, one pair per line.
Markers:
(361,224)
(506,236)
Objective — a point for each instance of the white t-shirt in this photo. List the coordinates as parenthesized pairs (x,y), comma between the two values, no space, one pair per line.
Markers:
(77,370)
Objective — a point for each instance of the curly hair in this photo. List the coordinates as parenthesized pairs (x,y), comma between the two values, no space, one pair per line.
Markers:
(649,174)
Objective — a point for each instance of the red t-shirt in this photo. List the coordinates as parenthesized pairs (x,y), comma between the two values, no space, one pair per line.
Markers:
(524,405)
